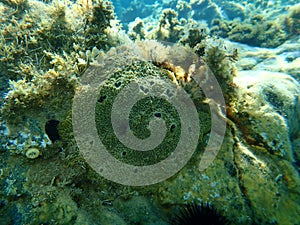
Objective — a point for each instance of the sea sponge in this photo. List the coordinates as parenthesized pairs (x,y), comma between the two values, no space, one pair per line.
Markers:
(151,108)
(149,66)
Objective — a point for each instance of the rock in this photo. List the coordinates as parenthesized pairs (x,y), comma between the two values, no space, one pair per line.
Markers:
(285,58)
(140,210)
(253,179)
(296,148)
(271,104)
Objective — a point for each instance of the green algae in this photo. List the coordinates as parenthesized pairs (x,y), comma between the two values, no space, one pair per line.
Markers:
(256,31)
(43,56)
(141,115)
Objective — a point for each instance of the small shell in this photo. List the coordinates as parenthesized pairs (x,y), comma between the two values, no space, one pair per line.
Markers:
(32,153)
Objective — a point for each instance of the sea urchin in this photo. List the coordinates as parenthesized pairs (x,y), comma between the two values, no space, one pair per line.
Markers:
(199,214)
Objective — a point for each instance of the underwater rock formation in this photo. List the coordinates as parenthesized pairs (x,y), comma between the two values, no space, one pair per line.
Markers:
(261,27)
(42,57)
(283,59)
(271,116)
(256,174)
(256,31)
(275,98)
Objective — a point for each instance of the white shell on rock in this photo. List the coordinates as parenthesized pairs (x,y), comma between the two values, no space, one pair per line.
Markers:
(32,153)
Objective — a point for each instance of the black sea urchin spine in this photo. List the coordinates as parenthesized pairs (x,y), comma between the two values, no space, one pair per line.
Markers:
(199,214)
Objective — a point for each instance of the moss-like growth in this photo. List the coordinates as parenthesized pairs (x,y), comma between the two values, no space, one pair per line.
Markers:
(137,30)
(143,112)
(194,35)
(256,31)
(221,64)
(42,92)
(169,28)
(51,28)
(44,52)
(65,129)
(18,5)
(292,21)
(60,208)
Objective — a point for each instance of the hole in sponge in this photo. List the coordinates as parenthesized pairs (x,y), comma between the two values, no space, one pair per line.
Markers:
(51,130)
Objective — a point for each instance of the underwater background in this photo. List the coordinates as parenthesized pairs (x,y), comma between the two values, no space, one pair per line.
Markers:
(52,51)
